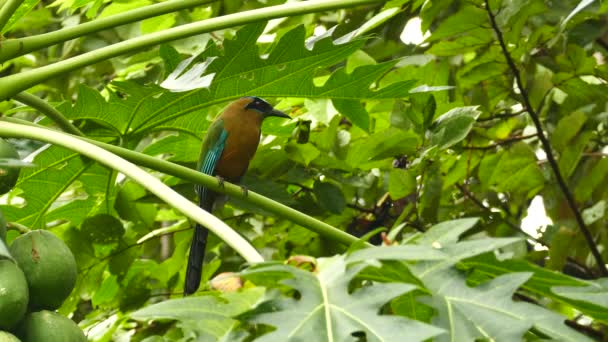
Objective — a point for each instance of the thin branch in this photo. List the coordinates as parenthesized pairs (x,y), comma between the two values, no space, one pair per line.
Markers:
(595,154)
(512,225)
(502,116)
(151,183)
(585,329)
(18,47)
(501,142)
(48,110)
(547,146)
(602,43)
(7,11)
(361,209)
(581,268)
(211,183)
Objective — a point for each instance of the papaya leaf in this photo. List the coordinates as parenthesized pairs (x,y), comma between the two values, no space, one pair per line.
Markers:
(60,170)
(488,312)
(287,70)
(543,282)
(326,311)
(596,294)
(205,315)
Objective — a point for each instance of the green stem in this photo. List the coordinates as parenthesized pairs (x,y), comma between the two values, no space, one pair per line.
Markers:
(13,84)
(48,110)
(7,11)
(18,47)
(151,183)
(210,182)
(18,227)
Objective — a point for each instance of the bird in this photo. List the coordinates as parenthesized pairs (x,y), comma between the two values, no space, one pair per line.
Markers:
(227,149)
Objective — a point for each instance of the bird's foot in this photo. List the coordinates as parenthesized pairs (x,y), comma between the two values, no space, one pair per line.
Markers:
(220,181)
(245,191)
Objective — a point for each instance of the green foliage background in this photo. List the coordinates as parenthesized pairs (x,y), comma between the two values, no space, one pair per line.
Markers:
(435,144)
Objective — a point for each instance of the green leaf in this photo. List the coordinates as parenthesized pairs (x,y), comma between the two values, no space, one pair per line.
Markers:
(60,170)
(515,171)
(488,312)
(176,148)
(469,18)
(457,252)
(288,71)
(381,145)
(406,252)
(330,197)
(326,311)
(596,293)
(567,128)
(431,193)
(354,111)
(170,56)
(447,232)
(587,185)
(594,213)
(542,283)
(453,126)
(102,228)
(23,9)
(158,23)
(302,153)
(581,5)
(573,153)
(209,314)
(401,183)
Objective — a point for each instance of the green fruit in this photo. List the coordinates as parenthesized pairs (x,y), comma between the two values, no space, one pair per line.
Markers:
(8,175)
(2,230)
(8,337)
(13,294)
(49,326)
(48,265)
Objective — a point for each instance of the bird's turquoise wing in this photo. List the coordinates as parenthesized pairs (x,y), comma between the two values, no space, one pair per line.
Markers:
(213,146)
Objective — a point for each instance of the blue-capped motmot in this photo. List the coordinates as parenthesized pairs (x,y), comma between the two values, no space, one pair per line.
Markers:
(228,146)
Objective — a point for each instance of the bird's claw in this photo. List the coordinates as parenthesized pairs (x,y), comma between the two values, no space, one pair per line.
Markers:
(244,190)
(220,181)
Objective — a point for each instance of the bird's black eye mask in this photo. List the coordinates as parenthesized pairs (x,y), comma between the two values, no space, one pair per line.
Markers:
(259,105)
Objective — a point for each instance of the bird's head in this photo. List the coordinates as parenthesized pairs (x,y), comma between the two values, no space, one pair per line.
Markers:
(260,107)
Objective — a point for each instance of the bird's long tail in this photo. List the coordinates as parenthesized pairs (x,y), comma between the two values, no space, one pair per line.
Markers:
(194,270)
(195,259)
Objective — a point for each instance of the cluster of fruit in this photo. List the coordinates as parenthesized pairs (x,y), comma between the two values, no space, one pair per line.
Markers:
(36,276)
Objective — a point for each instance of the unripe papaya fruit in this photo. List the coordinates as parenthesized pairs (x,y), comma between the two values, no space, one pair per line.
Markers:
(2,229)
(13,294)
(8,175)
(49,326)
(49,267)
(8,337)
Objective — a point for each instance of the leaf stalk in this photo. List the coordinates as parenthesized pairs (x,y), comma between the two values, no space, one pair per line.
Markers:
(145,179)
(13,84)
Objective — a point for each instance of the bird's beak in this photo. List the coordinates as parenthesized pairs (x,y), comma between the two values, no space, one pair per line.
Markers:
(278,113)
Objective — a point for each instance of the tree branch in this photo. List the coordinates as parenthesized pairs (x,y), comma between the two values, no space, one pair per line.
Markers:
(512,225)
(502,116)
(546,145)
(501,142)
(48,110)
(211,183)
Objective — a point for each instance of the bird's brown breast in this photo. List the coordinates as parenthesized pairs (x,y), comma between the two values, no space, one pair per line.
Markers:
(241,144)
